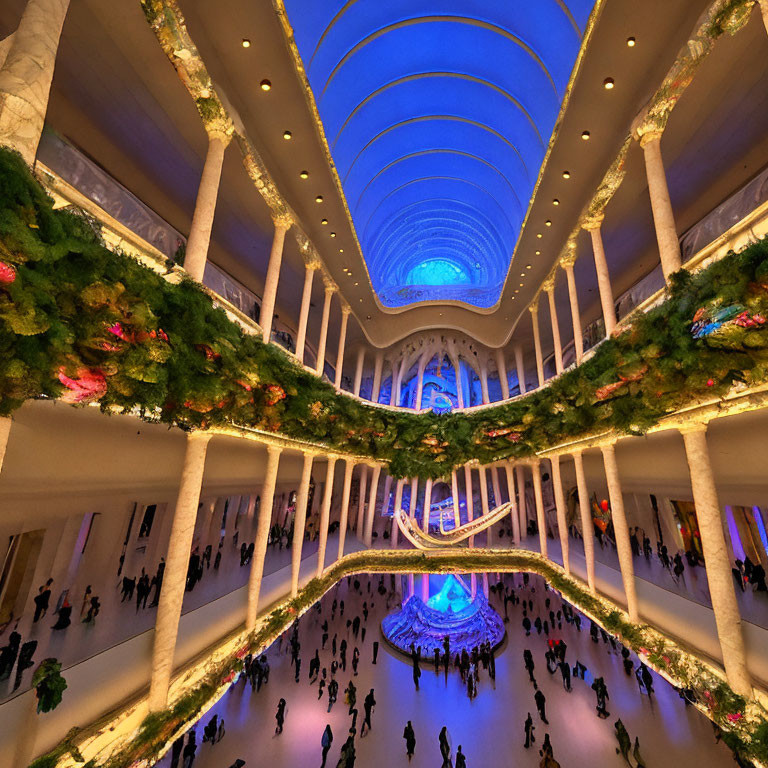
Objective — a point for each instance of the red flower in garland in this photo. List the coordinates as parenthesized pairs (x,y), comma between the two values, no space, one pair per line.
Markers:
(274,394)
(7,273)
(89,385)
(229,678)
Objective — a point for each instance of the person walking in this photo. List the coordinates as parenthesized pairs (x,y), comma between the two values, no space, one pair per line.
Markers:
(325,743)
(368,705)
(190,749)
(640,763)
(461,760)
(541,705)
(445,748)
(410,740)
(624,741)
(529,729)
(280,716)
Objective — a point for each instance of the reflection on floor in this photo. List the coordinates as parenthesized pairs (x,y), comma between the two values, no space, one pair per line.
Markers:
(490,728)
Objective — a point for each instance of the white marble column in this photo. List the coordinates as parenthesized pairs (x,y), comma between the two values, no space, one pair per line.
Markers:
(562,523)
(534,310)
(549,287)
(455,494)
(513,512)
(345,310)
(424,587)
(414,498)
(262,535)
(520,368)
(349,468)
(358,371)
(521,502)
(325,514)
(372,491)
(469,499)
(573,296)
(483,481)
(306,299)
(501,367)
(378,364)
(484,381)
(427,504)
(267,313)
(176,565)
(540,518)
(5,433)
(360,528)
(420,382)
(300,522)
(330,289)
(459,388)
(621,530)
(496,486)
(393,537)
(387,492)
(717,559)
(603,276)
(661,205)
(205,206)
(587,526)
(26,75)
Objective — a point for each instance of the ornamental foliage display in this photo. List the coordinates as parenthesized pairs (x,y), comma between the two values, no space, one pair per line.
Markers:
(84,324)
(49,685)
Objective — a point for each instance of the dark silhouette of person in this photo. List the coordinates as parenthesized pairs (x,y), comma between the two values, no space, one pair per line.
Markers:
(410,740)
(280,716)
(325,742)
(445,748)
(529,729)
(461,760)
(368,705)
(541,705)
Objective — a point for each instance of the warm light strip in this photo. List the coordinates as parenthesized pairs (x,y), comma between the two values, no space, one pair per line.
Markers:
(424,541)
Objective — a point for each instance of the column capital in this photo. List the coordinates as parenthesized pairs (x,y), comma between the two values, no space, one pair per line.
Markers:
(221,131)
(199,436)
(345,308)
(282,221)
(330,286)
(274,450)
(592,222)
(698,425)
(568,256)
(548,284)
(533,307)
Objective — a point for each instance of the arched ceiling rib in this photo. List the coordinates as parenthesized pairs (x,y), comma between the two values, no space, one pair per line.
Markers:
(438,114)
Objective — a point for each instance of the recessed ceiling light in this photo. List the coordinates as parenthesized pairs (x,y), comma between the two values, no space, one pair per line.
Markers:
(265,85)
(517,290)
(513,298)
(547,223)
(246,43)
(527,266)
(361,301)
(608,83)
(522,274)
(287,135)
(537,253)
(324,221)
(341,250)
(630,42)
(555,202)
(566,174)
(538,234)
(333,234)
(304,175)
(521,285)
(367,317)
(585,135)
(319,199)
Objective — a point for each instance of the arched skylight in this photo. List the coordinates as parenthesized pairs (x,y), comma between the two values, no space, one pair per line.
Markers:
(438,114)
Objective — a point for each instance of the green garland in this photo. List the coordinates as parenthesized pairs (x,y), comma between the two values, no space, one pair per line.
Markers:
(80,322)
(744,724)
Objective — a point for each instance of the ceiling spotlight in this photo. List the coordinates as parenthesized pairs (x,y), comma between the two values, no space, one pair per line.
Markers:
(517,290)
(522,274)
(367,317)
(608,83)
(287,135)
(319,199)
(333,234)
(538,253)
(341,250)
(630,42)
(566,174)
(521,285)
(538,234)
(357,283)
(324,221)
(528,266)
(361,301)
(547,223)
(265,85)
(304,175)
(585,135)
(555,202)
(246,43)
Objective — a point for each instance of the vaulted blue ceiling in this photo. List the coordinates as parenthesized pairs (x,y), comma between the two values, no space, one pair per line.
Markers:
(438,114)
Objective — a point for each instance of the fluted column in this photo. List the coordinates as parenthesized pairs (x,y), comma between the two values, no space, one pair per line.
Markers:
(26,75)
(360,529)
(455,494)
(325,514)
(414,498)
(372,491)
(593,226)
(205,207)
(483,480)
(459,388)
(358,371)
(299,522)
(267,313)
(520,368)
(562,522)
(427,505)
(378,364)
(330,289)
(176,566)
(345,310)
(470,502)
(534,309)
(661,205)
(398,503)
(349,468)
(521,502)
(501,367)
(5,433)
(262,535)
(537,495)
(306,299)
(621,530)
(420,382)
(513,512)
(549,287)
(496,486)
(717,559)
(386,494)
(567,263)
(484,380)
(587,526)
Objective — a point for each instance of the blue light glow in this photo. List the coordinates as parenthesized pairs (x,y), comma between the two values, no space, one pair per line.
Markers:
(453,596)
(438,114)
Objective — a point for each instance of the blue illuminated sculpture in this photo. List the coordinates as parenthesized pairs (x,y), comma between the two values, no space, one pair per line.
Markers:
(467,621)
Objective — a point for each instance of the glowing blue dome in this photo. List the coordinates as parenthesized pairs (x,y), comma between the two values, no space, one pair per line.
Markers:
(438,114)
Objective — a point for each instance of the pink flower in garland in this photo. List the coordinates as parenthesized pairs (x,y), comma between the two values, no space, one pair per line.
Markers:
(89,386)
(229,678)
(7,273)
(734,717)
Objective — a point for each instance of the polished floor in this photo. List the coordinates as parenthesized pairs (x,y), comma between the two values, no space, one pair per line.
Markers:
(489,728)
